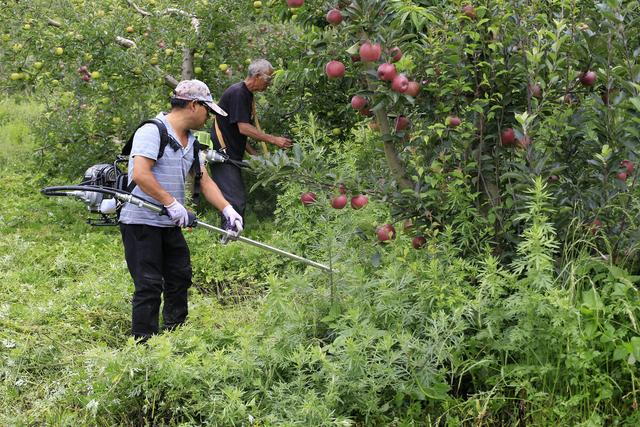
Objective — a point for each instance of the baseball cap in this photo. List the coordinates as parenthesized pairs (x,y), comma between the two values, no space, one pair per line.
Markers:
(195,90)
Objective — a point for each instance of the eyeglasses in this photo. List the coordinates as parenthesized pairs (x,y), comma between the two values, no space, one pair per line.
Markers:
(206,107)
(267,77)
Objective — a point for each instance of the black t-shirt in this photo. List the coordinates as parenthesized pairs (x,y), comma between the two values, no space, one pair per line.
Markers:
(236,101)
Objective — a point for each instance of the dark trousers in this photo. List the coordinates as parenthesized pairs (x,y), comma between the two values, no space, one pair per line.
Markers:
(228,178)
(159,262)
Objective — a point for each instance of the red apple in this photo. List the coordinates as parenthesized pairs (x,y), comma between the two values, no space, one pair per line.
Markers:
(418,242)
(308,198)
(295,3)
(355,58)
(400,83)
(387,71)
(628,165)
(402,123)
(535,90)
(342,189)
(508,136)
(588,78)
(386,232)
(595,226)
(370,52)
(453,121)
(524,142)
(469,11)
(339,202)
(358,102)
(365,112)
(335,69)
(359,201)
(413,89)
(622,176)
(396,54)
(82,70)
(334,17)
(86,77)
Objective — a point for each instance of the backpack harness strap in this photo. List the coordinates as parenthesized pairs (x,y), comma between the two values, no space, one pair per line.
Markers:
(197,171)
(166,139)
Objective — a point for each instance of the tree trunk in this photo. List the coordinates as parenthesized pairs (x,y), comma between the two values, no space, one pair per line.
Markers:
(393,160)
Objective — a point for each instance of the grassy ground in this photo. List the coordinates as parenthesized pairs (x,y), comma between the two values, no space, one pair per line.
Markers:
(64,286)
(425,338)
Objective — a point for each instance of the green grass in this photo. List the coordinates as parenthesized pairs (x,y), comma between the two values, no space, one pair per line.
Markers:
(398,337)
(64,287)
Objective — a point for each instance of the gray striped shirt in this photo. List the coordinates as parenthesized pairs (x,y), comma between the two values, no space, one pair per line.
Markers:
(171,172)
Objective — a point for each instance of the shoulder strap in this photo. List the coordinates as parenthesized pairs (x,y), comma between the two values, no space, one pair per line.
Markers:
(223,146)
(165,139)
(197,171)
(254,114)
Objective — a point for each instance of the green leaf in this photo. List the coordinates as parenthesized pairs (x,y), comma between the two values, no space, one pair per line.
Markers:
(620,353)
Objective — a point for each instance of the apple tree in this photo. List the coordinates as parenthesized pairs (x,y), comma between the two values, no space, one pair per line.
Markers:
(471,101)
(102,67)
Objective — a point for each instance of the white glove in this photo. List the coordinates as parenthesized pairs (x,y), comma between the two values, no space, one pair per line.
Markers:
(177,213)
(234,220)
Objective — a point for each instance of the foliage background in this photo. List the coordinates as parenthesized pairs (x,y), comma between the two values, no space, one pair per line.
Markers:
(522,307)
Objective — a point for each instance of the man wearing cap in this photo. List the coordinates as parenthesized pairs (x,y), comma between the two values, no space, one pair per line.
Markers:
(229,132)
(155,249)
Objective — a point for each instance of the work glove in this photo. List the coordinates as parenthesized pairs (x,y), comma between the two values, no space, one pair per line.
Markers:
(234,221)
(177,213)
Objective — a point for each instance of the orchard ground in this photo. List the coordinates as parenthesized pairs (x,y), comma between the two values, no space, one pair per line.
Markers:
(469,169)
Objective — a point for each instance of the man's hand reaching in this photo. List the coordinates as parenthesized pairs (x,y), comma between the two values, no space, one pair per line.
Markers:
(282,142)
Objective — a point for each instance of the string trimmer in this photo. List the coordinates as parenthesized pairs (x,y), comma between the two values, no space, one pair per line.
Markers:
(104,201)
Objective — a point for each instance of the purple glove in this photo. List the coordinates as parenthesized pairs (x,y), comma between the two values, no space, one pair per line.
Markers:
(234,220)
(177,213)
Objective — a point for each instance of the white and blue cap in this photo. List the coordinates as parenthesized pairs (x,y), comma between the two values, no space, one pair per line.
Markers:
(195,90)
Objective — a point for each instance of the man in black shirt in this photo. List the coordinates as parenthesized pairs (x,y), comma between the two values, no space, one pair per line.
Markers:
(229,134)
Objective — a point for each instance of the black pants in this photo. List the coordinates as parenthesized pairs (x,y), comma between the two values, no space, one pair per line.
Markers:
(159,262)
(228,178)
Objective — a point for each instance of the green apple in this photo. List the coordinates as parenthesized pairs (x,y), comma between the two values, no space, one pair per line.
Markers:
(197,70)
(59,51)
(95,74)
(223,67)
(37,65)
